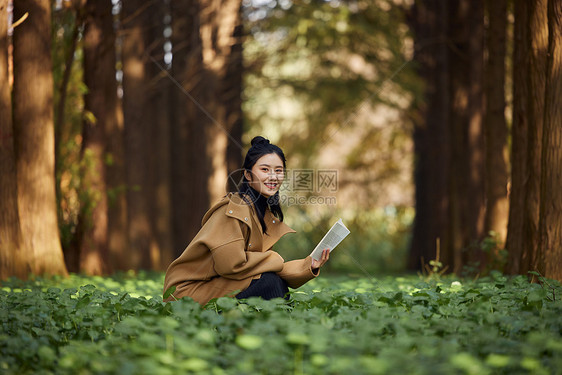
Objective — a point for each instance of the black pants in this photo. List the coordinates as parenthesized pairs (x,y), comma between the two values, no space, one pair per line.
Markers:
(268,286)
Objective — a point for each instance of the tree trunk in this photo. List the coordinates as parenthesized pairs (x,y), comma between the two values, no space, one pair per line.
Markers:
(233,99)
(497,205)
(518,256)
(34,136)
(550,224)
(222,54)
(207,123)
(159,167)
(118,240)
(536,76)
(475,205)
(14,260)
(432,135)
(448,135)
(189,159)
(135,16)
(467,191)
(100,103)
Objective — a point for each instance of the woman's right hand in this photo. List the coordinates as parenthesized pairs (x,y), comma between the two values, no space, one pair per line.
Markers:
(323,259)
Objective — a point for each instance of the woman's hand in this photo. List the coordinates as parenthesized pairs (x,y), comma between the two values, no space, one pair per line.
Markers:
(323,259)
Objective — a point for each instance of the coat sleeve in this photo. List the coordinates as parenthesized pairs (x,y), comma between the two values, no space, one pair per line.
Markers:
(234,262)
(297,272)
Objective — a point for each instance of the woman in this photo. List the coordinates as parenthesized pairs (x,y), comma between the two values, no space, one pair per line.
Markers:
(232,254)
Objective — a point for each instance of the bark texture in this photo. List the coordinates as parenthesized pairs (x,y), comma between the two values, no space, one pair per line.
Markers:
(497,204)
(530,73)
(550,224)
(13,253)
(34,135)
(518,256)
(538,34)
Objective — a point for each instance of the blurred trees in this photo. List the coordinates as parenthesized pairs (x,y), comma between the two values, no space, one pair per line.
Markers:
(141,35)
(495,123)
(455,204)
(148,123)
(207,113)
(187,145)
(316,70)
(129,132)
(100,105)
(449,133)
(329,81)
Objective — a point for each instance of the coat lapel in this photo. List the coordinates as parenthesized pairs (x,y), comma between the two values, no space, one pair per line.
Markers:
(275,230)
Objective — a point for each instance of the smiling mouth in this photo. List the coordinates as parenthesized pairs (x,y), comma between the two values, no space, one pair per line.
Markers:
(271,185)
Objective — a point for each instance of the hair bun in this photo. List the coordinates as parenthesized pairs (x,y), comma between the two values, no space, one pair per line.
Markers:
(259,140)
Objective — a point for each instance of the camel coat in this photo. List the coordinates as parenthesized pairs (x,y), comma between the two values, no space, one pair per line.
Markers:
(230,251)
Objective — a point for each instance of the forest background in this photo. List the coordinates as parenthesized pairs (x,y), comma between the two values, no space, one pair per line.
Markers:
(433,128)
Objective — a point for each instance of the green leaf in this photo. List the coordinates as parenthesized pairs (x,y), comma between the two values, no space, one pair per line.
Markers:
(536,295)
(196,365)
(226,303)
(298,338)
(83,302)
(497,360)
(169,292)
(249,342)
(46,354)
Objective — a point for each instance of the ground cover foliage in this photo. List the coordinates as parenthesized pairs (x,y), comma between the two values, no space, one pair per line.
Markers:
(81,325)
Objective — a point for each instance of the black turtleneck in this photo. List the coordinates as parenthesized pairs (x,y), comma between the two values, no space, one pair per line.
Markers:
(260,202)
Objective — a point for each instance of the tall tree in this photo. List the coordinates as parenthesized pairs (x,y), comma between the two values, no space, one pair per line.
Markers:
(518,255)
(529,88)
(497,204)
(538,34)
(432,134)
(159,162)
(232,97)
(100,102)
(118,240)
(220,24)
(448,133)
(13,254)
(190,165)
(135,16)
(206,39)
(34,135)
(467,201)
(549,257)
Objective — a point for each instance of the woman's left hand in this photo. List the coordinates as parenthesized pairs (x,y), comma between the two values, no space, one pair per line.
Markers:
(323,259)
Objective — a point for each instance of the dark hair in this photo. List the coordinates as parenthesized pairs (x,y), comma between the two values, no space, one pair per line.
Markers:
(260,147)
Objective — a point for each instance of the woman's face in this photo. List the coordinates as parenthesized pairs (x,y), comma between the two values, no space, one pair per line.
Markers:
(266,175)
